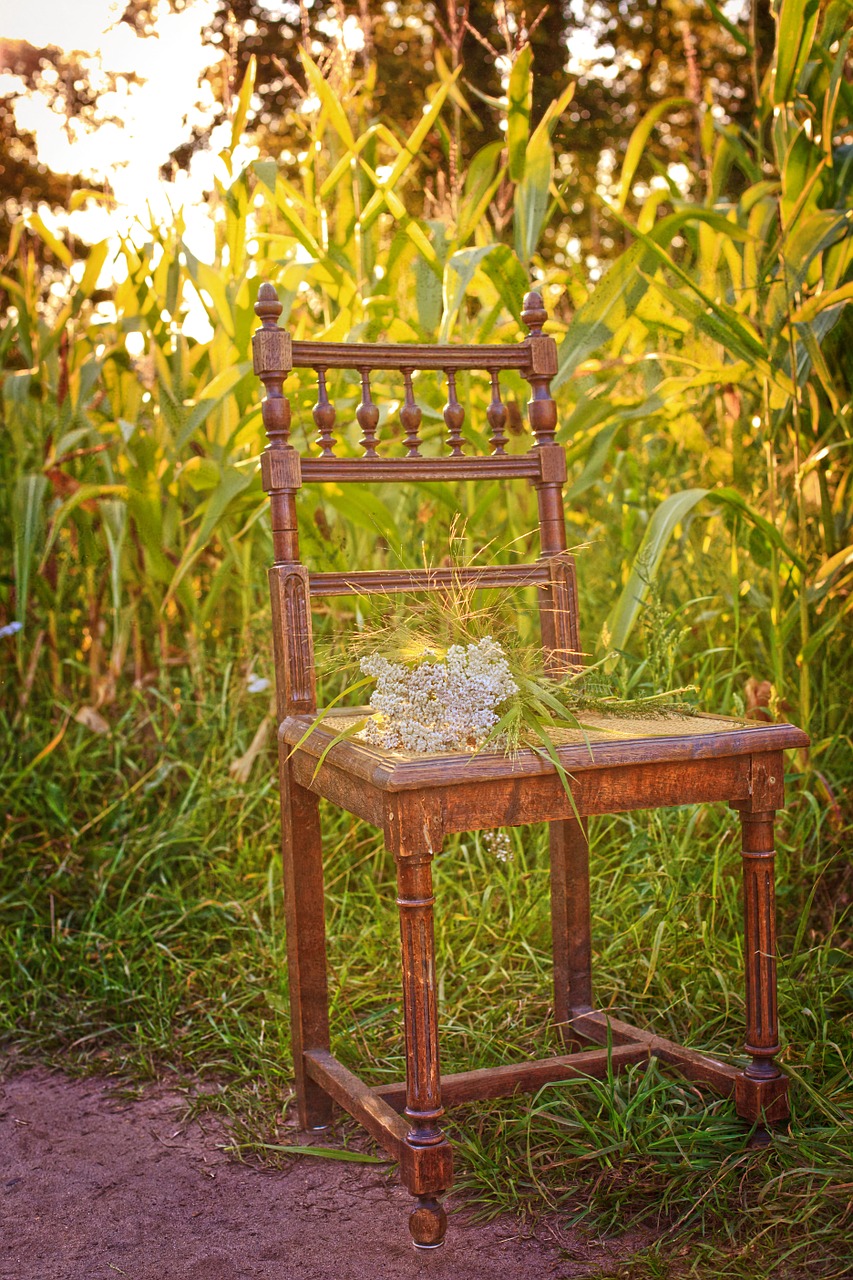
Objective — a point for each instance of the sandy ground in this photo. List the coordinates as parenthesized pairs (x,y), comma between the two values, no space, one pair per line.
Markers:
(95,1186)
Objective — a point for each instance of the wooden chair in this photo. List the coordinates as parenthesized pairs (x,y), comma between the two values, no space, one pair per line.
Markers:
(417,801)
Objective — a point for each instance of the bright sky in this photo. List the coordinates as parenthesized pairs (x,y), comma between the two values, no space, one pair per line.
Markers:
(155,116)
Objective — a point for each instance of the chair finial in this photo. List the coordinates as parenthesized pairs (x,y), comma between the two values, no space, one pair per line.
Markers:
(533,313)
(268,308)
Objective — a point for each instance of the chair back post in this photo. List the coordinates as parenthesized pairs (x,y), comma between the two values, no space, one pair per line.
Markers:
(281,474)
(558,602)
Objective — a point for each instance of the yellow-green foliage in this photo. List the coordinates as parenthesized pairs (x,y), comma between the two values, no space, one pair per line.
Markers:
(704,396)
(703,384)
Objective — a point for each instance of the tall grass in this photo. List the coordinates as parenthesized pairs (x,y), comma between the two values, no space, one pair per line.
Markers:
(141,933)
(705,400)
(702,383)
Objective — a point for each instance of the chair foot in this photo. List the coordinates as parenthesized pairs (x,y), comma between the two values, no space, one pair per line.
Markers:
(759,1138)
(427,1223)
(761,1101)
(313,1103)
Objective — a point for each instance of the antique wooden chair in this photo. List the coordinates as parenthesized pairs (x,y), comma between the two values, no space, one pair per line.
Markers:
(417,801)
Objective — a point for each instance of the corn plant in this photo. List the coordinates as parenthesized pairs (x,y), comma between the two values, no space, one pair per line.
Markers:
(709,353)
(136,499)
(747,319)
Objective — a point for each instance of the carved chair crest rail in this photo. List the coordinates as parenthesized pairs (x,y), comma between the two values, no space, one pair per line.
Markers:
(417,801)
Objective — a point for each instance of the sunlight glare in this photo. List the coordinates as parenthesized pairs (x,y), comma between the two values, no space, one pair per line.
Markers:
(143,122)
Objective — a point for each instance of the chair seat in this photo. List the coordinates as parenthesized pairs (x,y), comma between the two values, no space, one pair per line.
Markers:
(611,763)
(601,741)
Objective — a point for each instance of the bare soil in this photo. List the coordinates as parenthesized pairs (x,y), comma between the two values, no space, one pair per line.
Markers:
(96,1185)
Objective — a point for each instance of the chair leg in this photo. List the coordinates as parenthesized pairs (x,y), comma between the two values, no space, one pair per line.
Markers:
(302,856)
(428,1168)
(570,922)
(761,1092)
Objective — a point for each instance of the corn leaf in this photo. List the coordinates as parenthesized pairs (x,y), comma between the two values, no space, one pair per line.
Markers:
(28,517)
(839,561)
(665,519)
(734,31)
(328,99)
(459,271)
(796,21)
(57,247)
(244,99)
(409,152)
(638,142)
(520,101)
(233,483)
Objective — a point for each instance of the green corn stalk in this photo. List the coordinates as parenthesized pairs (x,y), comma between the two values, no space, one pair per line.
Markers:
(162,488)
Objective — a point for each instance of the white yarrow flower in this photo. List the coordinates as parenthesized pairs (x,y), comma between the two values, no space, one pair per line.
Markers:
(499,843)
(436,705)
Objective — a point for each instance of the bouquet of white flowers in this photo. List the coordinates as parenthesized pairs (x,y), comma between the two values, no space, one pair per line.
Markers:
(438,704)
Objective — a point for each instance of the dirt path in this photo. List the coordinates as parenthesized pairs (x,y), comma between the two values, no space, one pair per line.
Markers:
(95,1187)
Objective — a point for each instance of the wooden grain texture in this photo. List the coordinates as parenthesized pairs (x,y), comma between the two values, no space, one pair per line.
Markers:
(410,355)
(341,788)
(376,470)
(302,858)
(558,602)
(522,1077)
(391,581)
(395,772)
(759,947)
(601,1028)
(571,928)
(519,801)
(415,902)
(373,1113)
(423,1170)
(616,789)
(414,844)
(762,1102)
(293,644)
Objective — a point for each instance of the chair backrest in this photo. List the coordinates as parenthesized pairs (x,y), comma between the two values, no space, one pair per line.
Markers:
(284,471)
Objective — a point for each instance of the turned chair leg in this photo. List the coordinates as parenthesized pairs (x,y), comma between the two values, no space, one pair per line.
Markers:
(427,1170)
(761,1093)
(570,923)
(302,856)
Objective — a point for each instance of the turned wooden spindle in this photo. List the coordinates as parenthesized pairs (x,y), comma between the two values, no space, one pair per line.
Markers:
(410,416)
(541,408)
(271,349)
(423,1110)
(542,412)
(415,901)
(272,355)
(367,416)
(759,913)
(324,416)
(497,416)
(454,416)
(761,1091)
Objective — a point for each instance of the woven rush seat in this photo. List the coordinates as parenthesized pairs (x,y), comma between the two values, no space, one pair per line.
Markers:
(600,739)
